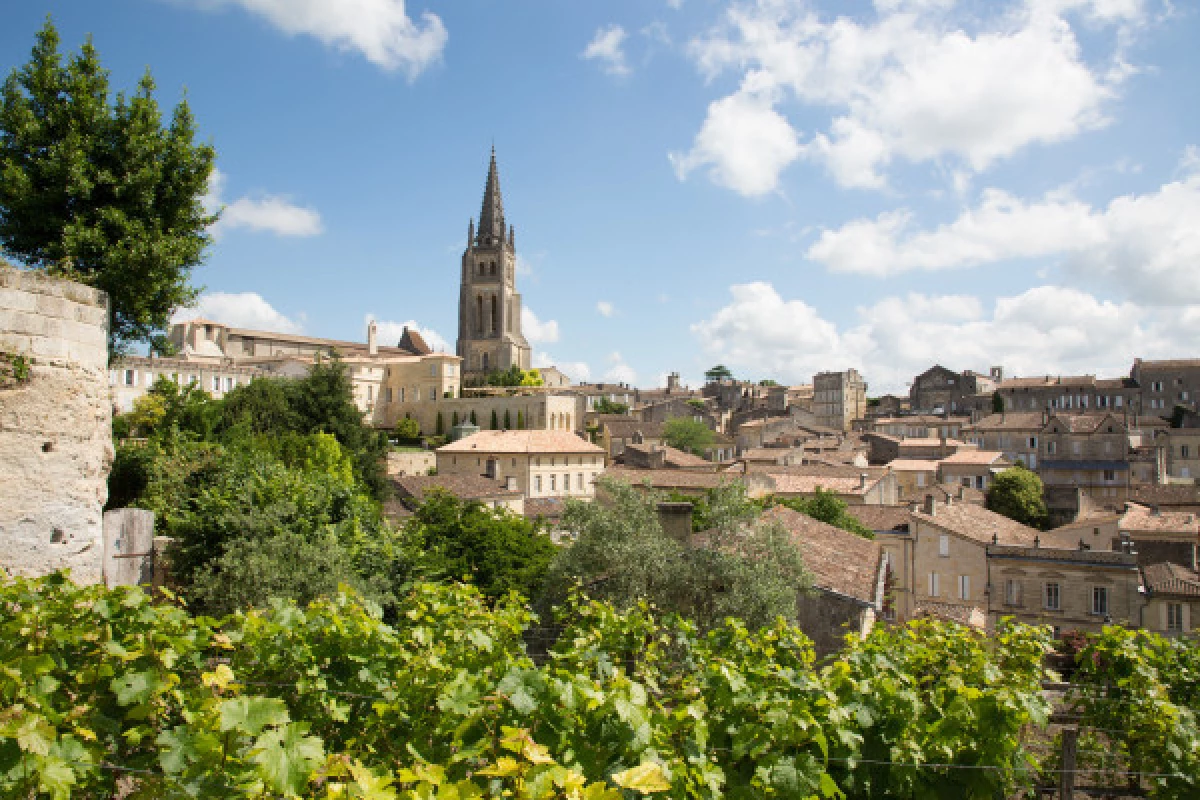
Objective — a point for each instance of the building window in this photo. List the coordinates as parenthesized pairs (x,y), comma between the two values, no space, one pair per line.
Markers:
(1175,617)
(964,587)
(537,484)
(933,584)
(1053,597)
(229,384)
(943,546)
(130,377)
(1051,448)
(433,370)
(920,479)
(1012,592)
(1099,599)
(566,482)
(216,383)
(1110,475)
(553,482)
(1183,451)
(370,393)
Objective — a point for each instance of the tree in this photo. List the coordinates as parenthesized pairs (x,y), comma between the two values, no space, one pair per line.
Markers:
(495,420)
(606,406)
(408,428)
(474,420)
(688,435)
(507,419)
(997,402)
(439,427)
(520,420)
(454,420)
(96,189)
(1017,494)
(827,507)
(718,373)
(737,568)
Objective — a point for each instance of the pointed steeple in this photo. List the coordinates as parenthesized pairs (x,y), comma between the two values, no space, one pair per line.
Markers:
(491,215)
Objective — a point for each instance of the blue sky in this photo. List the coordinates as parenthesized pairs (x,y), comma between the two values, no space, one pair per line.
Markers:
(783,186)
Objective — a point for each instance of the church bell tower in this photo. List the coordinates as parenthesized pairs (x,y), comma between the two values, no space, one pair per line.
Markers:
(489,307)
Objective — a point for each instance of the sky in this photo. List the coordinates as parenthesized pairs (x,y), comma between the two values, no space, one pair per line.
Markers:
(781,186)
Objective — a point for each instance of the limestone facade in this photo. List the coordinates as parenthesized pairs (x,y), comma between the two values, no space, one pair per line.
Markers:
(55,428)
(839,398)
(543,463)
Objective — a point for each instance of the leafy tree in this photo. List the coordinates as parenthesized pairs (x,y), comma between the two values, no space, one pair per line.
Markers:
(684,433)
(997,402)
(496,550)
(507,419)
(827,507)
(474,420)
(262,406)
(408,429)
(454,420)
(1017,494)
(495,421)
(513,376)
(738,568)
(768,382)
(439,427)
(718,373)
(96,189)
(606,406)
(520,420)
(698,404)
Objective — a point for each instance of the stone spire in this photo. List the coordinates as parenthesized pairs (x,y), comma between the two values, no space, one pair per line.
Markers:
(491,215)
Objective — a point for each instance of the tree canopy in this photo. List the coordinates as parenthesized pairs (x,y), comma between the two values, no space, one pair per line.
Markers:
(96,189)
(1017,494)
(606,406)
(684,433)
(717,373)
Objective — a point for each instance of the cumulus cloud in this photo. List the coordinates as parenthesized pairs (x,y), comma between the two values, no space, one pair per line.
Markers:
(605,308)
(577,371)
(618,371)
(536,330)
(1046,329)
(269,213)
(909,82)
(606,47)
(1147,246)
(389,333)
(380,30)
(239,310)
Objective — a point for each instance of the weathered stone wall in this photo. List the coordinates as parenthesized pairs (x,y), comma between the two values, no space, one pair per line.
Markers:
(406,463)
(55,428)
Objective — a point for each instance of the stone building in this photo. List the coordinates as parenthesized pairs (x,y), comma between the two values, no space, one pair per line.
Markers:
(1182,451)
(1087,452)
(1172,599)
(1166,384)
(55,425)
(942,391)
(543,463)
(489,307)
(973,468)
(1076,393)
(1160,536)
(134,375)
(921,426)
(1016,434)
(839,398)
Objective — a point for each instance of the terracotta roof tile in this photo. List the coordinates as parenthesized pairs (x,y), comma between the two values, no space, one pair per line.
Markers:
(534,442)
(882,518)
(466,487)
(1173,579)
(1143,519)
(977,523)
(974,457)
(840,561)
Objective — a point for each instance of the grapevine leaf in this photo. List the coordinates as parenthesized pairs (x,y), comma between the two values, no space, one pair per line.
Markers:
(35,735)
(134,687)
(646,778)
(286,757)
(56,777)
(251,714)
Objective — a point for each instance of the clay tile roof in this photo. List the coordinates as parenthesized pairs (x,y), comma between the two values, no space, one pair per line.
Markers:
(913,465)
(839,561)
(547,507)
(1166,495)
(1009,420)
(414,342)
(465,487)
(882,518)
(669,478)
(676,458)
(974,457)
(1084,423)
(621,427)
(533,442)
(808,484)
(977,523)
(1170,578)
(1142,519)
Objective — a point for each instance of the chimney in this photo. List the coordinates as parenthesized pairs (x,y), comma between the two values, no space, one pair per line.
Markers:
(372,344)
(510,483)
(676,521)
(930,505)
(1155,511)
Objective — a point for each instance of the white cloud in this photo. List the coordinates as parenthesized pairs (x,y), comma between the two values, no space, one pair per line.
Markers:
(381,30)
(909,83)
(239,310)
(536,330)
(744,142)
(606,47)
(1046,329)
(577,371)
(271,213)
(605,308)
(1147,246)
(618,371)
(389,333)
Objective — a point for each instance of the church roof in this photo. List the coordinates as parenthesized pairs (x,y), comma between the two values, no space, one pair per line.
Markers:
(414,342)
(491,214)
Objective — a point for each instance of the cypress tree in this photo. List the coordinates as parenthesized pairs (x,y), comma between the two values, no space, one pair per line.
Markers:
(495,421)
(440,427)
(454,420)
(474,420)
(507,420)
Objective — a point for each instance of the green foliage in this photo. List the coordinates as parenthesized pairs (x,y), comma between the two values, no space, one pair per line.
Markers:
(688,435)
(997,402)
(712,505)
(439,427)
(606,406)
(408,429)
(474,420)
(520,420)
(507,419)
(718,373)
(826,506)
(328,701)
(513,376)
(496,550)
(14,369)
(97,189)
(739,569)
(1017,494)
(768,382)
(454,420)
(697,403)
(495,421)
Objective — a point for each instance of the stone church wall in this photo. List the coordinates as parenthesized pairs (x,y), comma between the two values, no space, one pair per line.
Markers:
(55,427)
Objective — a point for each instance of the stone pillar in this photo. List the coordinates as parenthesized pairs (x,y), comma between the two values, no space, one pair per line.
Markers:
(55,425)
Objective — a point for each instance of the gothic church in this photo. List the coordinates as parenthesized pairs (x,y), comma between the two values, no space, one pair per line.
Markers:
(489,307)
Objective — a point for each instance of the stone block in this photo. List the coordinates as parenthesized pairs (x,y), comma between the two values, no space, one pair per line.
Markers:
(17,300)
(18,343)
(52,349)
(51,306)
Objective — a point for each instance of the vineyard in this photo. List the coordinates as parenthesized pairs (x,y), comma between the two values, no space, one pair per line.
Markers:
(107,694)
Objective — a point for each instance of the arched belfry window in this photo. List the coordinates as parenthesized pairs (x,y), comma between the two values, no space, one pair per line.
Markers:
(479,313)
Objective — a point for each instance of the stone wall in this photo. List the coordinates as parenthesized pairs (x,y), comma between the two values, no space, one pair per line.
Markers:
(55,428)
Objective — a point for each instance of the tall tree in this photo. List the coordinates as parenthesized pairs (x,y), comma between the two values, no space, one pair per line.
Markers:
(1017,494)
(95,188)
(684,433)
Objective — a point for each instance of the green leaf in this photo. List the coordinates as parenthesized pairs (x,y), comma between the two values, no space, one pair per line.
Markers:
(250,715)
(646,778)
(135,687)
(286,757)
(35,735)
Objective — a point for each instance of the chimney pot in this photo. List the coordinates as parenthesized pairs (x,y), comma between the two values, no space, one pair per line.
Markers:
(676,521)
